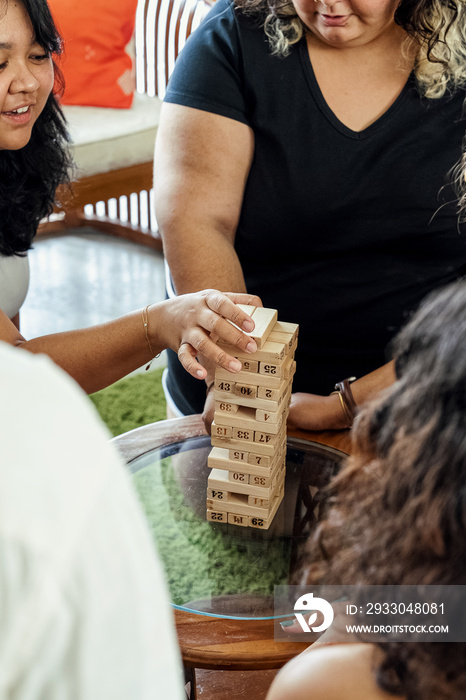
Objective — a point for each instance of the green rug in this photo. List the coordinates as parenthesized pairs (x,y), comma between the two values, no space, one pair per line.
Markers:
(131,402)
(197,557)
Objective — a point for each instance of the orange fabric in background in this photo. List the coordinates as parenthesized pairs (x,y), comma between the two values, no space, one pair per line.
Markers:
(98,71)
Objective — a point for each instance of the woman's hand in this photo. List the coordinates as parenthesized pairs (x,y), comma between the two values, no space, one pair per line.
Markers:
(209,408)
(188,324)
(312,412)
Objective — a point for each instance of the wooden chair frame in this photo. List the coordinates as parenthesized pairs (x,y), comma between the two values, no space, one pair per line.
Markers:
(162,27)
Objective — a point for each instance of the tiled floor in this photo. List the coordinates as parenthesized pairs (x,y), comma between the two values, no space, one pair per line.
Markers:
(88,278)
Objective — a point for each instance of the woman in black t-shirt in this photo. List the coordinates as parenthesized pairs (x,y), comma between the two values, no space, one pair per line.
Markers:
(303,154)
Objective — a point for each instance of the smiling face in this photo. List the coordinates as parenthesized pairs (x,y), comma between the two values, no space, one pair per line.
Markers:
(342,23)
(26,77)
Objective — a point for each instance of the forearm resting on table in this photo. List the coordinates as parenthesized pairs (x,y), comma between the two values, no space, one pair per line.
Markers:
(312,412)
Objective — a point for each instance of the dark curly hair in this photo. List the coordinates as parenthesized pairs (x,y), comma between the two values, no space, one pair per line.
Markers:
(29,176)
(398,512)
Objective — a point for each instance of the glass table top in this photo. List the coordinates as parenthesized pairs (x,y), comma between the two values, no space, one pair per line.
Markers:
(221,569)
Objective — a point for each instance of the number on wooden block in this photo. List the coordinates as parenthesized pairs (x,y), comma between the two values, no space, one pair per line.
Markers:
(259,460)
(266,393)
(266,368)
(222,385)
(259,502)
(263,437)
(226,407)
(218,495)
(245,390)
(216,517)
(239,477)
(238,455)
(243,434)
(256,522)
(250,366)
(241,520)
(221,431)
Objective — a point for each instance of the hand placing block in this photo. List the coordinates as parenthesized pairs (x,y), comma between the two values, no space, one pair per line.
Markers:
(248,457)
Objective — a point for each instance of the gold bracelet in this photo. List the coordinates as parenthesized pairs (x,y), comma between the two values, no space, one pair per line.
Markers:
(343,408)
(145,323)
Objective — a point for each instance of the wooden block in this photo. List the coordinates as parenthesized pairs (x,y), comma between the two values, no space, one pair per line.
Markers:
(224,385)
(267,404)
(221,431)
(268,416)
(217,494)
(219,482)
(236,443)
(278,478)
(247,308)
(291,345)
(238,503)
(284,327)
(261,502)
(270,394)
(239,477)
(241,520)
(219,459)
(238,455)
(270,352)
(261,481)
(259,460)
(265,438)
(250,365)
(282,369)
(223,375)
(275,416)
(248,391)
(243,434)
(226,406)
(264,523)
(264,320)
(216,517)
(245,419)
(288,339)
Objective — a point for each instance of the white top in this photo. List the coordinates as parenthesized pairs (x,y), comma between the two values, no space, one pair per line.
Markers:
(84,611)
(14,283)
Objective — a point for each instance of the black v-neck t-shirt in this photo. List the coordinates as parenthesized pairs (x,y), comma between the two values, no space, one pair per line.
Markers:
(343,232)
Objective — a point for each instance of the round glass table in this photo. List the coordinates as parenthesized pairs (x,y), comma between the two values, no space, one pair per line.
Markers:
(221,577)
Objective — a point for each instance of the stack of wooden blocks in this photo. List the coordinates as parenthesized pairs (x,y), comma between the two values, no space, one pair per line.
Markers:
(248,457)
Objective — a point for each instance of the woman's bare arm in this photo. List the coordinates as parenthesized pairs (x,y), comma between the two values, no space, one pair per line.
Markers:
(312,412)
(96,357)
(201,164)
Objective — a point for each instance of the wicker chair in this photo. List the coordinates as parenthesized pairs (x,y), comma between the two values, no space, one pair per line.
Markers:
(113,148)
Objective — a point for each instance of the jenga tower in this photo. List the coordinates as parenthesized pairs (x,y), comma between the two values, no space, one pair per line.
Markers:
(248,456)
